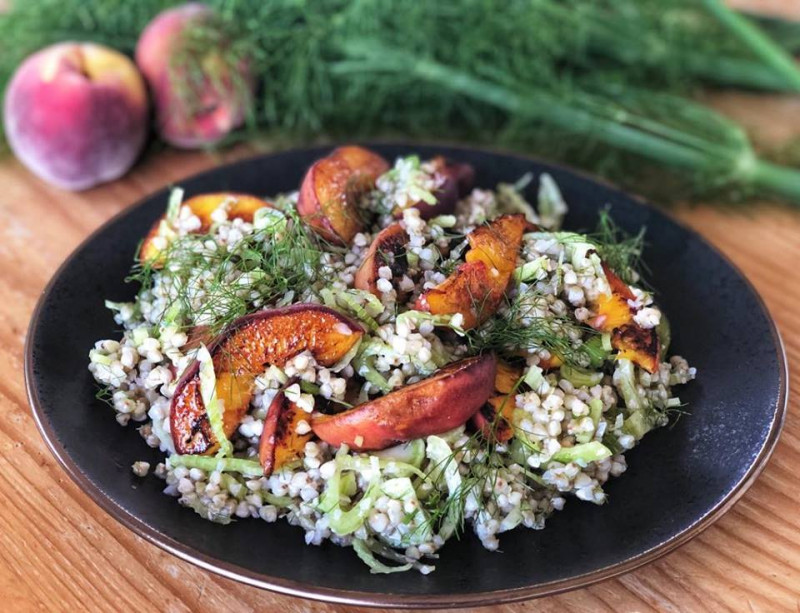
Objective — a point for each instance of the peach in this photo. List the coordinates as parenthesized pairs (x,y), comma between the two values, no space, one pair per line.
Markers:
(240,353)
(76,114)
(280,443)
(432,406)
(210,105)
(331,189)
(469,290)
(240,206)
(476,288)
(387,249)
(494,419)
(615,315)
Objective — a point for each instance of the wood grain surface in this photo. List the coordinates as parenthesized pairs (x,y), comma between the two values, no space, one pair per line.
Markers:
(59,552)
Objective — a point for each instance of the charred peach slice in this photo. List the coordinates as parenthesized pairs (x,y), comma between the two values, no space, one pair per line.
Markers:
(432,406)
(640,345)
(615,315)
(387,249)
(280,443)
(240,206)
(493,419)
(477,287)
(241,352)
(506,378)
(468,291)
(497,244)
(331,189)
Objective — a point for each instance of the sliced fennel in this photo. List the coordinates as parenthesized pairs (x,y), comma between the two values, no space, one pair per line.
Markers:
(444,464)
(214,406)
(625,382)
(412,453)
(247,468)
(552,207)
(580,377)
(416,317)
(583,453)
(533,270)
(375,566)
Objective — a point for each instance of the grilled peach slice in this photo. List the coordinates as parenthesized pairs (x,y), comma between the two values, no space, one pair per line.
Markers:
(280,443)
(387,249)
(240,353)
(469,290)
(240,206)
(506,378)
(476,288)
(331,189)
(615,315)
(486,420)
(432,406)
(640,345)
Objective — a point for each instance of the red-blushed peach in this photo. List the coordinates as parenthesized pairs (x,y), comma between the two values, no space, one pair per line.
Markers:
(616,316)
(240,206)
(76,114)
(241,352)
(199,111)
(431,406)
(388,249)
(331,188)
(280,442)
(476,288)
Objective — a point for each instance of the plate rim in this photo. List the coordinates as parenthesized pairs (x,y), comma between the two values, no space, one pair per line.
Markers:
(300,589)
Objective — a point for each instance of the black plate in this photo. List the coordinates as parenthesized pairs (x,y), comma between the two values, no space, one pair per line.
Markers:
(679,480)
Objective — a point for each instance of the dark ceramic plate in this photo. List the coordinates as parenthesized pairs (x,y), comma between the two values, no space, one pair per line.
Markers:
(679,480)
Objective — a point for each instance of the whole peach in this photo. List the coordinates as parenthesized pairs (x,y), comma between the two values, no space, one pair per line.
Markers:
(76,114)
(200,112)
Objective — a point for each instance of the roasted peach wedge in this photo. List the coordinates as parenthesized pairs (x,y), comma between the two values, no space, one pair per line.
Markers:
(239,206)
(280,443)
(432,406)
(493,420)
(387,249)
(476,288)
(240,353)
(615,316)
(331,188)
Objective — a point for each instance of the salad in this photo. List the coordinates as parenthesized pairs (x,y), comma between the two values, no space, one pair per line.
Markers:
(388,357)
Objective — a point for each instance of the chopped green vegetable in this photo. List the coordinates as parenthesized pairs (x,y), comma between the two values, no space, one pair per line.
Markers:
(664,333)
(412,452)
(596,351)
(208,392)
(582,454)
(343,522)
(534,378)
(625,380)
(580,377)
(376,567)
(174,205)
(247,468)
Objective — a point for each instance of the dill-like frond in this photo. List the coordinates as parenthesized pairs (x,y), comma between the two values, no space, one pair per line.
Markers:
(525,324)
(620,250)
(212,284)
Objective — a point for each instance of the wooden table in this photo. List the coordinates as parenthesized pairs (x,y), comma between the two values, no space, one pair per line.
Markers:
(61,552)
